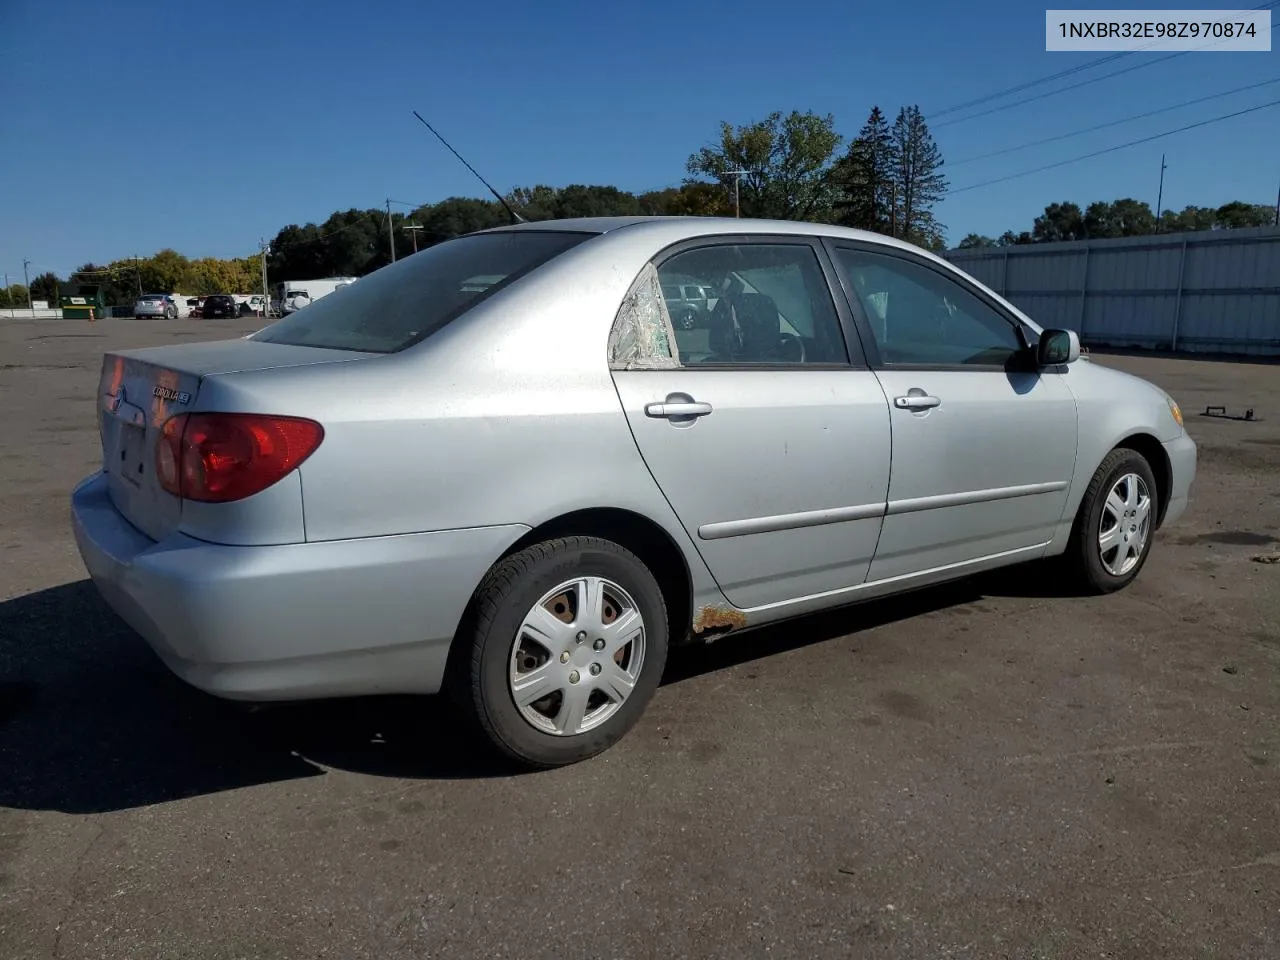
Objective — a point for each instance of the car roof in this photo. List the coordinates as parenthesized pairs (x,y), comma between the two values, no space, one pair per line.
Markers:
(693,227)
(659,232)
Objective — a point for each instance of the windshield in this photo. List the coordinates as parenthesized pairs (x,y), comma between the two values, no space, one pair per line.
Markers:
(402,304)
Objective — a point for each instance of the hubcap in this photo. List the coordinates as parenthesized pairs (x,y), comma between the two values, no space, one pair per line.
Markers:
(577,656)
(1125,525)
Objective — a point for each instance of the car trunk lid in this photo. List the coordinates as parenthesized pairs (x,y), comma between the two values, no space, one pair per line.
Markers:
(140,389)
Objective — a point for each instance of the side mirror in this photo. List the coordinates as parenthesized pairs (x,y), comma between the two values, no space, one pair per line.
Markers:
(1057,346)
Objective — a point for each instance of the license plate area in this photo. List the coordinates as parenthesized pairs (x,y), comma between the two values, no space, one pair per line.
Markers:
(130,463)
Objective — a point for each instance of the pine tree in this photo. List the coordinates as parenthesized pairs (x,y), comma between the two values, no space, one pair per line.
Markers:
(918,182)
(864,175)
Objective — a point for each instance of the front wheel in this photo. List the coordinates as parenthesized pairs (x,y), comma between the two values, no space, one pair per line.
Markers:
(1116,522)
(566,647)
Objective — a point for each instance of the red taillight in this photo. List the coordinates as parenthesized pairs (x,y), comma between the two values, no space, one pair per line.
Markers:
(219,457)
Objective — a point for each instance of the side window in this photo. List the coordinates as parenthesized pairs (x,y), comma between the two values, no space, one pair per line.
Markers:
(760,304)
(918,315)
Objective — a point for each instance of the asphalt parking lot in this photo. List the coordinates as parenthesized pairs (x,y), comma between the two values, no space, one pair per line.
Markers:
(990,769)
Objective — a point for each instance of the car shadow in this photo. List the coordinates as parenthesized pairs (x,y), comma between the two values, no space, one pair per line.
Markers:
(91,721)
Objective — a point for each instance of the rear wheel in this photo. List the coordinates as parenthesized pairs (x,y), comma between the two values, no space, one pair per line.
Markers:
(566,647)
(1114,527)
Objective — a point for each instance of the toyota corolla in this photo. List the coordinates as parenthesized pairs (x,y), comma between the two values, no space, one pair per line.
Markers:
(497,468)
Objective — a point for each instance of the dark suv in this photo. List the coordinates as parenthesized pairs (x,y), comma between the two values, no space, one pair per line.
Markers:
(220,305)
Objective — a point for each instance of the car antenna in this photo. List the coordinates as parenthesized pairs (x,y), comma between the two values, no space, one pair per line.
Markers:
(515,217)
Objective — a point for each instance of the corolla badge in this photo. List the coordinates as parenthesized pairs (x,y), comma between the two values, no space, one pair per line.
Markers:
(171,395)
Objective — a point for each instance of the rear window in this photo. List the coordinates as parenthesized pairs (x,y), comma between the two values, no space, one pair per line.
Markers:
(400,305)
(152,298)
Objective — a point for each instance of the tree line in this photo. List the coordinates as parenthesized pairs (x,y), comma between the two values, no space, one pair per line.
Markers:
(1126,218)
(888,178)
(793,166)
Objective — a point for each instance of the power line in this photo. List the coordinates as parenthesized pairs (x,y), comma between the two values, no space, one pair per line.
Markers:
(1030,83)
(1084,83)
(1112,123)
(1121,146)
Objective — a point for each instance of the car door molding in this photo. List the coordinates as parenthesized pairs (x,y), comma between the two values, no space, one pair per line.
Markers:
(938,501)
(789,521)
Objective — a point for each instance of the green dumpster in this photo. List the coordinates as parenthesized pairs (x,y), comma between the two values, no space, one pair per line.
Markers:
(85,301)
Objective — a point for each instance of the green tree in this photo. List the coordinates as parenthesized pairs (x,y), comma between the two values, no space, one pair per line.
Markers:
(693,199)
(577,200)
(46,287)
(1234,215)
(864,177)
(456,216)
(918,181)
(1190,218)
(14,295)
(1010,239)
(973,241)
(1120,218)
(1060,221)
(535,203)
(787,162)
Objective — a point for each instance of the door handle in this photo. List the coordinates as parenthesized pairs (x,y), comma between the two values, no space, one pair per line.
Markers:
(916,401)
(677,410)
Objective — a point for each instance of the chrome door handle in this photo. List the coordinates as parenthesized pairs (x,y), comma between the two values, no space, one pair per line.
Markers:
(677,410)
(916,401)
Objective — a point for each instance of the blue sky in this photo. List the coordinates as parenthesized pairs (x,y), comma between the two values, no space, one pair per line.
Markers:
(140,124)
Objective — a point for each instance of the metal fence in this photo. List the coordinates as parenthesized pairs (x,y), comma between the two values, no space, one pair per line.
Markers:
(1215,291)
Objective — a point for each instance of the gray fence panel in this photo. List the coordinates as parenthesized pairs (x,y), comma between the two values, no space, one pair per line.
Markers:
(1216,291)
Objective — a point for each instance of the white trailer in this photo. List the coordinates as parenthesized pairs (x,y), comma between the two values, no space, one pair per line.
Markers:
(313,289)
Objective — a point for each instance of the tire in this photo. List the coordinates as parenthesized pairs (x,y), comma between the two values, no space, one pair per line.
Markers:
(1104,571)
(495,647)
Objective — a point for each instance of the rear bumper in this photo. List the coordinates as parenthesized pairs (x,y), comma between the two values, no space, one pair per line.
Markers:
(296,621)
(1182,471)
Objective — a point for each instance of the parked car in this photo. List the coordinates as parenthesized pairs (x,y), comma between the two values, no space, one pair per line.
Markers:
(523,489)
(255,306)
(219,305)
(689,304)
(194,305)
(155,305)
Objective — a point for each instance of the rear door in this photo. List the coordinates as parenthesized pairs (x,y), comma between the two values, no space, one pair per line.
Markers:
(984,444)
(762,424)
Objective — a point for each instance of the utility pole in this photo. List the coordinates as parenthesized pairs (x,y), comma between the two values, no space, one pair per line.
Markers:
(6,293)
(26,280)
(737,184)
(391,233)
(412,229)
(266,294)
(1160,193)
(1277,223)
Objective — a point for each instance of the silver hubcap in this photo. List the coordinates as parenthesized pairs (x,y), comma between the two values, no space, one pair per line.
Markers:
(577,656)
(1125,525)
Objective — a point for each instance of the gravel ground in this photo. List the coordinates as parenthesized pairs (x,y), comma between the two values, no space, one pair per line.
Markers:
(988,769)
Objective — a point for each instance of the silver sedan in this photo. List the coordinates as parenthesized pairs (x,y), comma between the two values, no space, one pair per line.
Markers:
(497,468)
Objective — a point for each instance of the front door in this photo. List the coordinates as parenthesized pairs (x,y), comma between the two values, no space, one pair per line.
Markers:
(769,440)
(984,448)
